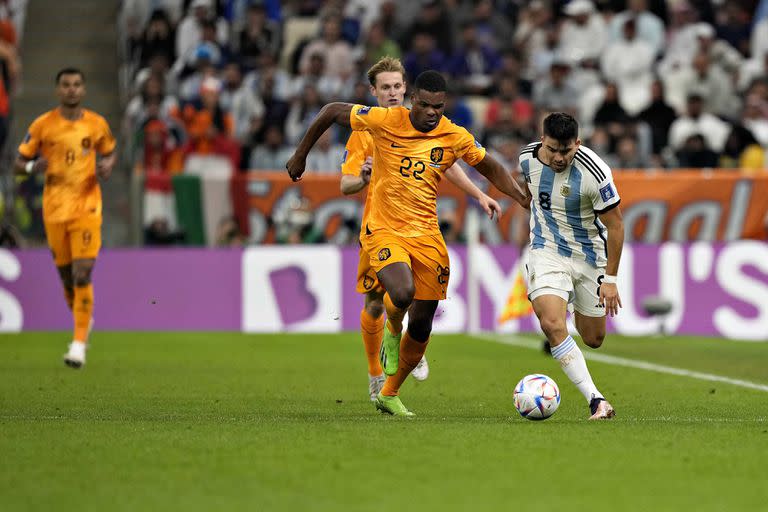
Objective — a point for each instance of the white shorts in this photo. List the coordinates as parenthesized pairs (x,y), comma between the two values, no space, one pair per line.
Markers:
(575,281)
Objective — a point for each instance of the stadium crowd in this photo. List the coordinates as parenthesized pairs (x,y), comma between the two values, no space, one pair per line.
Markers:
(655,84)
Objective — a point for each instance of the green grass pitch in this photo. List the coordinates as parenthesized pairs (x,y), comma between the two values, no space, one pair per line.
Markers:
(227,421)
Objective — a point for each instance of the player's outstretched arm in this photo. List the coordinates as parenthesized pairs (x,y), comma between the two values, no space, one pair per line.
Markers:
(458,177)
(331,113)
(502,180)
(609,292)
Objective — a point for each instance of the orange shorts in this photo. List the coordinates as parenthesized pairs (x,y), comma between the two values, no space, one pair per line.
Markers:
(426,255)
(77,239)
(366,277)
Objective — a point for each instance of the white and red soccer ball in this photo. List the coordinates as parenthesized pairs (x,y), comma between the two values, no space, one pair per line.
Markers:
(536,397)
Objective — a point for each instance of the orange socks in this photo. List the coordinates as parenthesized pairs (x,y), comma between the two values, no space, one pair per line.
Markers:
(394,316)
(411,352)
(372,330)
(83,311)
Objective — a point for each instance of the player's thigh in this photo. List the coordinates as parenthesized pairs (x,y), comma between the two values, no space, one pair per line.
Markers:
(551,308)
(57,235)
(367,281)
(587,290)
(431,267)
(85,238)
(549,274)
(389,258)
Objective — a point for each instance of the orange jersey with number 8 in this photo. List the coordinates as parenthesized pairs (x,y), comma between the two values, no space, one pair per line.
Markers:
(407,167)
(71,188)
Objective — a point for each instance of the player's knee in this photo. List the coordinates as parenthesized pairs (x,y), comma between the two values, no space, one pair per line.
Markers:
(81,277)
(420,330)
(402,297)
(594,340)
(552,326)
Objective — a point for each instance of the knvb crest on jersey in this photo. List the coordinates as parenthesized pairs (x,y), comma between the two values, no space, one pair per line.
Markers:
(436,155)
(384,254)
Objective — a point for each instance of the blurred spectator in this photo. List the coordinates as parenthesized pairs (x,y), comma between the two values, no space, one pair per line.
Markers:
(611,115)
(157,39)
(10,237)
(204,57)
(378,44)
(659,116)
(649,27)
(510,66)
(303,111)
(720,52)
(755,118)
(696,121)
(473,64)
(136,112)
(206,122)
(273,153)
(215,53)
(583,35)
(189,31)
(9,69)
(275,109)
(282,81)
(242,103)
(753,69)
(296,224)
(159,65)
(325,157)
(432,19)
(733,26)
(448,222)
(367,12)
(531,37)
(508,113)
(628,61)
(491,25)
(135,14)
(423,55)
(326,85)
(506,150)
(162,155)
(457,110)
(739,146)
(759,41)
(695,153)
(628,155)
(259,35)
(159,233)
(555,92)
(228,233)
(336,52)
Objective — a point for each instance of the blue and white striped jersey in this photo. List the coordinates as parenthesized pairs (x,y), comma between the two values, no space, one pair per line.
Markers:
(565,205)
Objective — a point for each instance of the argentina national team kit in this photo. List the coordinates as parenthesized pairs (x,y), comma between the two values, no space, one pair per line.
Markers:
(568,242)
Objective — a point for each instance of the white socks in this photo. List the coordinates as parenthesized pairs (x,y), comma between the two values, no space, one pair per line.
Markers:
(575,367)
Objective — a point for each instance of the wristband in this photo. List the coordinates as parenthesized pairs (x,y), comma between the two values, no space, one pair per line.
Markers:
(609,279)
(29,166)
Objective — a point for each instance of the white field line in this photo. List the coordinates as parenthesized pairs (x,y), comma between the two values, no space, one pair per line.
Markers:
(520,341)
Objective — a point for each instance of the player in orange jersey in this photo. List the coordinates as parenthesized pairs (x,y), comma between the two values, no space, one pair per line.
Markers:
(412,150)
(64,143)
(387,79)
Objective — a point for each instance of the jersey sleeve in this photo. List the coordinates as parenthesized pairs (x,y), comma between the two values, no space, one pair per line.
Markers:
(106,143)
(468,149)
(355,153)
(364,118)
(604,195)
(32,140)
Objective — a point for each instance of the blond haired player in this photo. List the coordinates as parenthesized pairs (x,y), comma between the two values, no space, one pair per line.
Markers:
(63,144)
(387,79)
(412,150)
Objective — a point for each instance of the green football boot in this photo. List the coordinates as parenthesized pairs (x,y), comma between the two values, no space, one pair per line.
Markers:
(390,352)
(392,405)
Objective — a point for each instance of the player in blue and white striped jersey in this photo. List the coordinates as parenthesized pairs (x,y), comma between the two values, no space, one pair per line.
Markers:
(577,234)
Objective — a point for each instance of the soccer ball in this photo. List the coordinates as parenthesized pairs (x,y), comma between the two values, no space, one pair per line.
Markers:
(536,397)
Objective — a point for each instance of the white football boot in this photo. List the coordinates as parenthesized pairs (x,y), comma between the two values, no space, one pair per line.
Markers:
(421,372)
